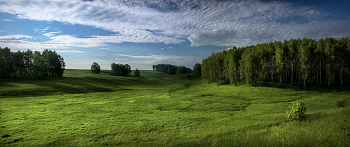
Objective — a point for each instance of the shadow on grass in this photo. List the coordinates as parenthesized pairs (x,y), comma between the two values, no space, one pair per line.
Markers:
(322,89)
(69,85)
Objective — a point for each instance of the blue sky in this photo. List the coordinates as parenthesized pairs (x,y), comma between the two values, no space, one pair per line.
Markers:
(179,32)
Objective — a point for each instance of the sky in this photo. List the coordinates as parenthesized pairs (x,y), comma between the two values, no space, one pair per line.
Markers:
(180,32)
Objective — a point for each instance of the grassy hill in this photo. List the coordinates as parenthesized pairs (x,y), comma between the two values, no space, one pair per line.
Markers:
(157,109)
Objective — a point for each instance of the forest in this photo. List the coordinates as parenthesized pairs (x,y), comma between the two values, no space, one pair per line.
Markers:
(297,61)
(26,63)
(172,69)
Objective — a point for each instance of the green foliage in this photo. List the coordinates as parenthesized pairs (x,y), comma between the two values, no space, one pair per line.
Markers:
(188,76)
(166,68)
(280,59)
(137,72)
(120,69)
(307,61)
(197,68)
(45,64)
(5,62)
(181,70)
(297,111)
(95,68)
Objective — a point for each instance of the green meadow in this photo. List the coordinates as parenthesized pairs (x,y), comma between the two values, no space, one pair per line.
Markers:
(157,109)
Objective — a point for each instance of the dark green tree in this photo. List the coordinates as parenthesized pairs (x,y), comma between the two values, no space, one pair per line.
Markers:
(39,65)
(6,62)
(197,69)
(120,69)
(95,68)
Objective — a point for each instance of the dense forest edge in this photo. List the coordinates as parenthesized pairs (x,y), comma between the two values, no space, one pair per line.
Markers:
(297,61)
(302,62)
(28,63)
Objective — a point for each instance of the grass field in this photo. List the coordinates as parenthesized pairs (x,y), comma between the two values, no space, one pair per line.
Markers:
(157,109)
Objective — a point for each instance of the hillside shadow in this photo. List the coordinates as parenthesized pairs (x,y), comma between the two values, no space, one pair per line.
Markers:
(72,85)
(322,89)
(3,84)
(56,86)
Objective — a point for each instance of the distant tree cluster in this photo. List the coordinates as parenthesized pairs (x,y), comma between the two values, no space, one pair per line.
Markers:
(95,68)
(171,69)
(166,68)
(120,69)
(307,61)
(26,63)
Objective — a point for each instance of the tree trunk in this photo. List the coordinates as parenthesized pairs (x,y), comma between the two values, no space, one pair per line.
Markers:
(341,75)
(298,79)
(280,81)
(320,74)
(304,84)
(291,79)
(272,76)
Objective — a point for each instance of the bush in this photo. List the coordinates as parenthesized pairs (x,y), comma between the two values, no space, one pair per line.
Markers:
(297,111)
(340,103)
(137,72)
(188,76)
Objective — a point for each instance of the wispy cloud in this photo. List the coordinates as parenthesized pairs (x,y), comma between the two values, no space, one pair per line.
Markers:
(46,28)
(202,22)
(49,34)
(6,20)
(151,59)
(120,59)
(105,48)
(159,57)
(70,51)
(15,37)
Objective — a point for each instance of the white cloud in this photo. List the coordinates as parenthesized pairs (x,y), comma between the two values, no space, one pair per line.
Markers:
(120,59)
(46,28)
(70,51)
(6,20)
(15,37)
(150,60)
(202,22)
(159,57)
(49,34)
(105,48)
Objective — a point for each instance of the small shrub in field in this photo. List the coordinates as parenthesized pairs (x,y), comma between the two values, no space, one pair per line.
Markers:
(297,111)
(340,103)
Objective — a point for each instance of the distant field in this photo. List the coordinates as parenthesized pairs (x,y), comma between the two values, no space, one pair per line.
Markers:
(157,109)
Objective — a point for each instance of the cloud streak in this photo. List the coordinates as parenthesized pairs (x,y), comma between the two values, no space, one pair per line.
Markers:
(152,59)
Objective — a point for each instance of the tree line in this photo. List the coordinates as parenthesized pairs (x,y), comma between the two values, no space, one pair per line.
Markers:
(302,61)
(117,69)
(171,69)
(27,63)
(120,69)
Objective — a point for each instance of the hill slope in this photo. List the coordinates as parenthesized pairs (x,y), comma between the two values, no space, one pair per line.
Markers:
(84,109)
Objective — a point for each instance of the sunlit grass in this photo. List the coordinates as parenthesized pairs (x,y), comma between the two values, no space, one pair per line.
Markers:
(84,109)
